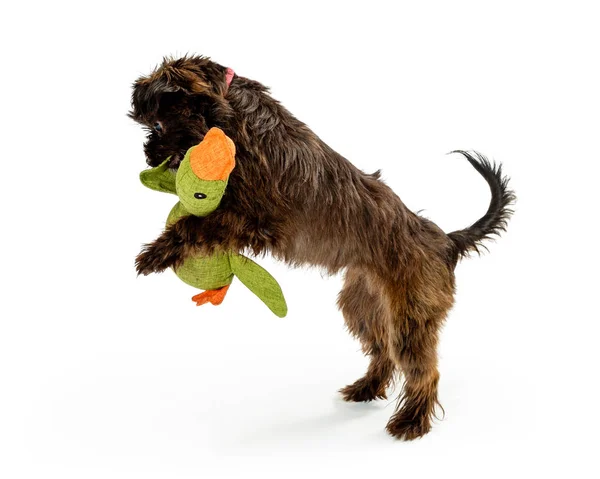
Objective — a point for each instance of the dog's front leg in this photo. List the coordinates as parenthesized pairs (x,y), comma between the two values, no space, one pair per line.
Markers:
(167,251)
(191,235)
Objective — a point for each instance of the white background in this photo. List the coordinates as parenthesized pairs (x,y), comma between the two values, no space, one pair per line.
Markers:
(105,375)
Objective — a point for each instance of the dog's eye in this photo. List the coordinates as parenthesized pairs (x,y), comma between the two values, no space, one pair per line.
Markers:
(199,196)
(158,127)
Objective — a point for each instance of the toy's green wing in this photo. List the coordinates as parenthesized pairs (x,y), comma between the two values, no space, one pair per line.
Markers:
(160,178)
(260,282)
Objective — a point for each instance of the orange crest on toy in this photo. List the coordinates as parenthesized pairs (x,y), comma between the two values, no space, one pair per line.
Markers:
(214,157)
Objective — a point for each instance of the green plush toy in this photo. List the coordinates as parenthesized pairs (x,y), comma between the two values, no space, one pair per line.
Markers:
(200,183)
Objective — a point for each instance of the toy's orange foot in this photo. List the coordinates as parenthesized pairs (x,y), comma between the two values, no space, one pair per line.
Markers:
(213,296)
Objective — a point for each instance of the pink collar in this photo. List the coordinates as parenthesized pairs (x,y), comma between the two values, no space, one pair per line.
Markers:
(229,76)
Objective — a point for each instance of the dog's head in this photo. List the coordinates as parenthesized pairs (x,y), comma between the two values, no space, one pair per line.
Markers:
(178,103)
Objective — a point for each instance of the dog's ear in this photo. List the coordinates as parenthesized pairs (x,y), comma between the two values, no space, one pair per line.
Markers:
(147,92)
(189,75)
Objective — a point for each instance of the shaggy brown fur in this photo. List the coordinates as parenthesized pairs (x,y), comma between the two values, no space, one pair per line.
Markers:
(292,195)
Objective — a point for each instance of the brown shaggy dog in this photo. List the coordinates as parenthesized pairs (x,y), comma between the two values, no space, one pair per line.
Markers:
(292,195)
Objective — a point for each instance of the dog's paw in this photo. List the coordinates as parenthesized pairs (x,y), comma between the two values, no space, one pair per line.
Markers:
(407,428)
(144,263)
(150,260)
(363,390)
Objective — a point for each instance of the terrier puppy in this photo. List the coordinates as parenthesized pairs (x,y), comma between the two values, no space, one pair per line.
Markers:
(293,196)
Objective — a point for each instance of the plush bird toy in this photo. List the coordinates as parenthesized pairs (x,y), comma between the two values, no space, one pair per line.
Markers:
(200,183)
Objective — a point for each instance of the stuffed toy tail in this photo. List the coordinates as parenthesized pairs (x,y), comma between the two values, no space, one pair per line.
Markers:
(260,282)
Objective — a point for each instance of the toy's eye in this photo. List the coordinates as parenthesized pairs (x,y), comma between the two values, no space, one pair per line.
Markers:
(158,127)
(199,196)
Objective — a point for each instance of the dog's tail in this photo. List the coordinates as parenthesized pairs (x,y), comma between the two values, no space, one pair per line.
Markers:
(498,213)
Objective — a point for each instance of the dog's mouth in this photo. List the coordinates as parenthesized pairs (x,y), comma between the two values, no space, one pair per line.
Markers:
(174,160)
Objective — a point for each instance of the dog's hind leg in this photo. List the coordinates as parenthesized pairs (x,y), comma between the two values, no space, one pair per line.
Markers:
(419,315)
(362,312)
(416,406)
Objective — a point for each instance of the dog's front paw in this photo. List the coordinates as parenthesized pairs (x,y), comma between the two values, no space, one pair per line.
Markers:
(144,263)
(151,260)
